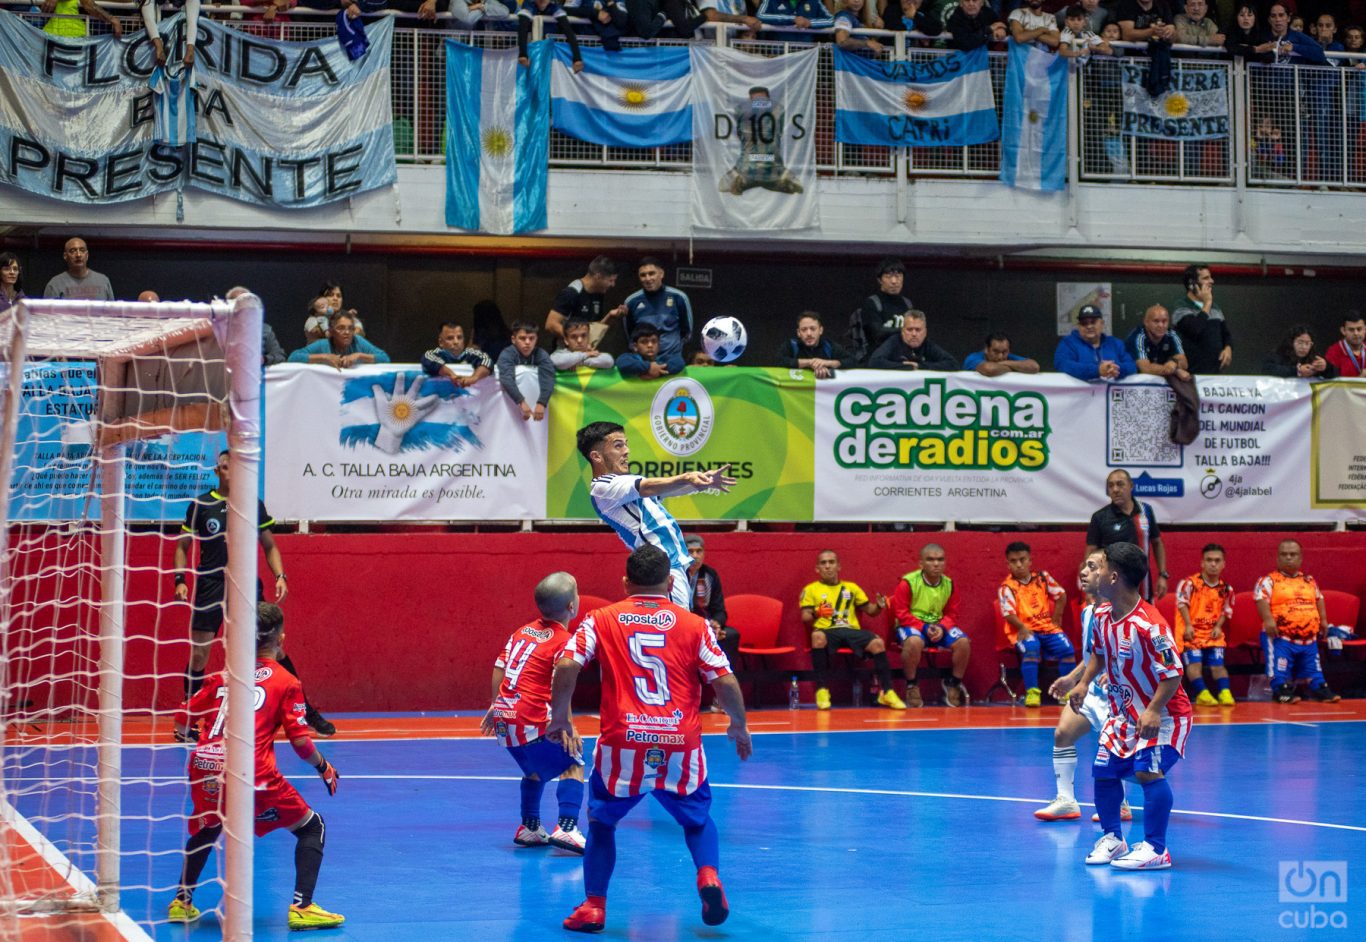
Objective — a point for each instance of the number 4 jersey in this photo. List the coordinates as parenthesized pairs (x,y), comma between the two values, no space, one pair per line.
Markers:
(652,653)
(528,663)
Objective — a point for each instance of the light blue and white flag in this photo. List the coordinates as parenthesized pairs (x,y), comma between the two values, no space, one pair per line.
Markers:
(1034,120)
(1194,107)
(497,138)
(944,103)
(638,97)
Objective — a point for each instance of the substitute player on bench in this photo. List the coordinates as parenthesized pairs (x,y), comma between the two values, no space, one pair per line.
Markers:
(1204,605)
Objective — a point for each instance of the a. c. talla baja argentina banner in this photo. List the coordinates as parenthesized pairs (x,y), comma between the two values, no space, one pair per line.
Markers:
(282,124)
(758,421)
(1037,449)
(389,443)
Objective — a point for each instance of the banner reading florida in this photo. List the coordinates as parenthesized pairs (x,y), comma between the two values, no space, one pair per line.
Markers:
(759,421)
(282,124)
(390,443)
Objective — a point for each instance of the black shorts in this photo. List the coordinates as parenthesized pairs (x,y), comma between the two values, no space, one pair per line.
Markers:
(209,607)
(855,639)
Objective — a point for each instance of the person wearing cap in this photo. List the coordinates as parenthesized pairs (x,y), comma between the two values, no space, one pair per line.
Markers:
(643,360)
(707,600)
(880,315)
(1089,353)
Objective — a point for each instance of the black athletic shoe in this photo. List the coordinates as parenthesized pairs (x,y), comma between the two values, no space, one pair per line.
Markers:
(1325,695)
(321,724)
(191,734)
(1285,693)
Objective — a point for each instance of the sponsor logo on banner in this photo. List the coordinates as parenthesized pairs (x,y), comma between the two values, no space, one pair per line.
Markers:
(682,416)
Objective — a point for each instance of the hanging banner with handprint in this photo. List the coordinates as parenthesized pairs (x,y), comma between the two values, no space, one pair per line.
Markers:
(391,443)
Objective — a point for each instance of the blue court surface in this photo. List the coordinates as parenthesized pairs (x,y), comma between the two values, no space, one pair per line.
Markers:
(825,835)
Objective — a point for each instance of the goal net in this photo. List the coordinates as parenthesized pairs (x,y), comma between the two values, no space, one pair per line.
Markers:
(111,419)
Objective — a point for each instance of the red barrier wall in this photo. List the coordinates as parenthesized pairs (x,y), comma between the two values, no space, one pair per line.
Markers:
(412,621)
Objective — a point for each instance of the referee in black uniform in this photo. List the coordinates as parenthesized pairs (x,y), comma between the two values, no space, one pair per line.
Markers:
(206,520)
(1128,520)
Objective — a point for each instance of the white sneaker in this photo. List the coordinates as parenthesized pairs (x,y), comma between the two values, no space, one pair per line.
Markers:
(1061,809)
(572,841)
(1107,849)
(1143,857)
(526,837)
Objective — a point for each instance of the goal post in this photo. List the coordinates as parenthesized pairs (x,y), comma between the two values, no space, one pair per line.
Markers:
(71,577)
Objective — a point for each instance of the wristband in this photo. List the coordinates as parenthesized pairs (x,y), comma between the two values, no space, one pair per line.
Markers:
(180,578)
(1165,575)
(280,575)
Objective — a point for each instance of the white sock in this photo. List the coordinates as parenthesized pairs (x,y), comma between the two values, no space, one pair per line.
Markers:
(1064,770)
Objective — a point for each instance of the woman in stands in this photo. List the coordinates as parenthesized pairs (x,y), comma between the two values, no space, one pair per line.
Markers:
(1247,38)
(11,280)
(1296,357)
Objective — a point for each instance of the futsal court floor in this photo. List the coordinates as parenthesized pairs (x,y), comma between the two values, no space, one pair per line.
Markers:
(852,824)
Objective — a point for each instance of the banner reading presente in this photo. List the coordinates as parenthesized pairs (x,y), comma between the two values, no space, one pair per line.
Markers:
(1194,108)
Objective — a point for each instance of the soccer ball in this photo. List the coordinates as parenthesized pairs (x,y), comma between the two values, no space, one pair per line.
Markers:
(724,339)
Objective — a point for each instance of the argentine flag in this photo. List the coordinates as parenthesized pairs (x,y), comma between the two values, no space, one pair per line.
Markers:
(497,138)
(638,97)
(1034,120)
(944,103)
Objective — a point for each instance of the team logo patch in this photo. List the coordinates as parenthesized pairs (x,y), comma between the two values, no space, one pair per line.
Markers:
(269,814)
(210,786)
(213,525)
(262,673)
(540,634)
(1124,694)
(661,619)
(654,758)
(501,729)
(681,416)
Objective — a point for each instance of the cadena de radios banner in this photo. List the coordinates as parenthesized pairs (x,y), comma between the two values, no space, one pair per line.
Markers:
(281,124)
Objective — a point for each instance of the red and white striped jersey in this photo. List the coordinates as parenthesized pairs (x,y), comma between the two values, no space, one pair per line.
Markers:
(528,662)
(1139,651)
(653,654)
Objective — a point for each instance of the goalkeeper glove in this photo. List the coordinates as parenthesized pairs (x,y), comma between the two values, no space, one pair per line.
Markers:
(328,773)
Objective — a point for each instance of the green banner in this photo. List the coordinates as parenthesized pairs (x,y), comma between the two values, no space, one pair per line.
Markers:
(759,421)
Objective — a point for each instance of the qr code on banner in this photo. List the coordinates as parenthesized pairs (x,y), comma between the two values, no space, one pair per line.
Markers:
(1138,419)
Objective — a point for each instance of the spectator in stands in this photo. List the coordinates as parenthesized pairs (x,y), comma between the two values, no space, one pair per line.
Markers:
(1201,324)
(151,19)
(584,298)
(1296,23)
(315,325)
(150,297)
(729,11)
(1030,24)
(926,611)
(1354,40)
(710,602)
(1155,349)
(470,14)
(911,348)
(1347,356)
(578,351)
(66,18)
(1089,353)
(648,17)
(1296,357)
(341,348)
(1194,28)
(523,353)
(79,282)
(1141,21)
(528,11)
(11,280)
(608,20)
(1126,519)
(851,15)
(1249,38)
(1291,47)
(644,360)
(881,314)
(701,358)
(809,350)
(802,14)
(330,293)
(830,608)
(1077,39)
(1268,155)
(452,359)
(1294,619)
(1096,16)
(910,16)
(1204,604)
(995,358)
(971,24)
(1032,604)
(1323,106)
(667,309)
(271,351)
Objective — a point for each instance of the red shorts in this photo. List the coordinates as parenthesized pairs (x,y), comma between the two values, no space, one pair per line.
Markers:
(278,803)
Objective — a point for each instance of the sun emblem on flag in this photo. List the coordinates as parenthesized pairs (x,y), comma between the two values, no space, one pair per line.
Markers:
(635,95)
(1033,117)
(915,99)
(497,142)
(1177,105)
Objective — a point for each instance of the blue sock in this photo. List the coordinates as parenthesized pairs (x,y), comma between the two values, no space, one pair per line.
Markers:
(569,793)
(1221,683)
(1109,796)
(1030,670)
(1198,685)
(705,844)
(1157,808)
(1066,667)
(599,858)
(1029,661)
(531,801)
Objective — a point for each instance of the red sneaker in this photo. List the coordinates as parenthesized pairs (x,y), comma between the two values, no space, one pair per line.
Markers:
(714,906)
(590,916)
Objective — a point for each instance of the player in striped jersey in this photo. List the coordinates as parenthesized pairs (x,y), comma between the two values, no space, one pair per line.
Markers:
(1150,716)
(653,654)
(521,709)
(1204,603)
(629,503)
(1072,724)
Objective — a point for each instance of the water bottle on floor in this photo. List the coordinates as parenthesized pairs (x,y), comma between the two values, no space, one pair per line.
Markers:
(794,694)
(858,692)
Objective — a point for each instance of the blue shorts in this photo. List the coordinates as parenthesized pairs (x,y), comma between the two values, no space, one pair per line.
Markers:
(946,640)
(1054,646)
(1295,661)
(690,811)
(544,758)
(1211,657)
(1151,759)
